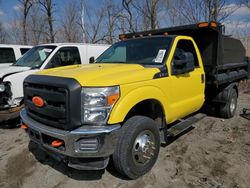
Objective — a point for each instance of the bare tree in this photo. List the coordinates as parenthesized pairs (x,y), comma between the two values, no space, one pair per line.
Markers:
(246,3)
(82,20)
(37,22)
(48,8)
(129,16)
(149,10)
(93,23)
(100,24)
(15,33)
(25,7)
(111,22)
(218,10)
(192,11)
(3,34)
(70,28)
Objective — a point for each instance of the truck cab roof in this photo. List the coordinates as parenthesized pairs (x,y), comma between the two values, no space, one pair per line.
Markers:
(14,45)
(71,44)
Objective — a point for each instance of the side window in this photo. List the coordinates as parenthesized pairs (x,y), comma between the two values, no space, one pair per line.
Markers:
(184,46)
(65,56)
(24,50)
(7,55)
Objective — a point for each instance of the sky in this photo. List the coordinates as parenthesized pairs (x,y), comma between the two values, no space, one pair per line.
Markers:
(9,8)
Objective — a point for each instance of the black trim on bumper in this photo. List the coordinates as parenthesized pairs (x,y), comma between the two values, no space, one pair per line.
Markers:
(107,137)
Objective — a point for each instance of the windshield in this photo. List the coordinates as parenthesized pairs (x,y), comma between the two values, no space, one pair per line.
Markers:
(145,51)
(35,57)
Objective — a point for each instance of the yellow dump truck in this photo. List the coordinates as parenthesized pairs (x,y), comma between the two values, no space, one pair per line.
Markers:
(133,96)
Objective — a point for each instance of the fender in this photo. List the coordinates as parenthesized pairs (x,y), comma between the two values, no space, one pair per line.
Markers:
(6,75)
(127,102)
(16,82)
(223,95)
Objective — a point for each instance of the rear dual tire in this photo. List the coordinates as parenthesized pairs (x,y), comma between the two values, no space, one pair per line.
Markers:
(228,109)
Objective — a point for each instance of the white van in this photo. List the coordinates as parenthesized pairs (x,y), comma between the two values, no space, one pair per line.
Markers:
(10,53)
(38,58)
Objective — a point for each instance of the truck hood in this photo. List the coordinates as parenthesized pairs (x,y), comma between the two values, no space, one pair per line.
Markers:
(104,74)
(4,65)
(8,70)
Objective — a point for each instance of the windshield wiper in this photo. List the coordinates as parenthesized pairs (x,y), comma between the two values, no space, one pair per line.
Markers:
(118,62)
(14,64)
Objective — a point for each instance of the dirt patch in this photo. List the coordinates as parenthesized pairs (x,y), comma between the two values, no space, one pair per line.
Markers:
(244,86)
(18,168)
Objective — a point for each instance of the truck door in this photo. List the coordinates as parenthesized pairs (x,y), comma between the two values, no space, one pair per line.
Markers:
(187,79)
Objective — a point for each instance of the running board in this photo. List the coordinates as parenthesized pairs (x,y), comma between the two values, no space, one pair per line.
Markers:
(183,125)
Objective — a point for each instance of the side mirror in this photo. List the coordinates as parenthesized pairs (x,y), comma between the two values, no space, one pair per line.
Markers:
(91,60)
(184,65)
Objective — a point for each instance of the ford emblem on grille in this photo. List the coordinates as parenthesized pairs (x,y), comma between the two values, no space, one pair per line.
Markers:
(38,101)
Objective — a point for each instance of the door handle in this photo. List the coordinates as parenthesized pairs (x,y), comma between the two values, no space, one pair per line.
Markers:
(202,78)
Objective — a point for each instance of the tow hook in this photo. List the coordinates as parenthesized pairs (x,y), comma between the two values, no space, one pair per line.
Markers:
(24,127)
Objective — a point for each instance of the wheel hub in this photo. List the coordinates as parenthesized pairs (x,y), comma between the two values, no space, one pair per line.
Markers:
(144,148)
(232,105)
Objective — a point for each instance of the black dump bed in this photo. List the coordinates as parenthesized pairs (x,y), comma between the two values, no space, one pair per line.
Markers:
(224,57)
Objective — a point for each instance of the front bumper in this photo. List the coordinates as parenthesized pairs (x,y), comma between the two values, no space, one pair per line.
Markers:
(86,142)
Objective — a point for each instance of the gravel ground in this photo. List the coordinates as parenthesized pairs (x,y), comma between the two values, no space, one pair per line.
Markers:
(215,153)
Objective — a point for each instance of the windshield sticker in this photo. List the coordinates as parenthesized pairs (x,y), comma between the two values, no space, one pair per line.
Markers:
(42,55)
(47,50)
(160,56)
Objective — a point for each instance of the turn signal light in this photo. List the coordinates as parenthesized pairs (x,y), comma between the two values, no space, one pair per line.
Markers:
(57,143)
(112,99)
(203,24)
(122,36)
(213,24)
(206,24)
(23,126)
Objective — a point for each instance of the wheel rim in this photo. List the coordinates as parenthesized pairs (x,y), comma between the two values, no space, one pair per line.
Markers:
(144,148)
(232,105)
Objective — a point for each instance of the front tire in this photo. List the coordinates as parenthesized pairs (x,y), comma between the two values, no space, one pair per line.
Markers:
(138,147)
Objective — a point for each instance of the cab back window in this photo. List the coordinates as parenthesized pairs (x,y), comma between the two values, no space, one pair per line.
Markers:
(7,55)
(24,50)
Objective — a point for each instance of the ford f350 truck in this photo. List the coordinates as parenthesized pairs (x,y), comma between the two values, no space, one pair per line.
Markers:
(40,57)
(147,84)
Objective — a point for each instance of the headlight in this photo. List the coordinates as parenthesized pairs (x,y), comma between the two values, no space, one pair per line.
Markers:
(2,87)
(97,103)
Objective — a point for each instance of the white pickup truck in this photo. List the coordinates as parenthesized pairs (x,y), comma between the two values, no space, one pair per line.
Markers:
(10,53)
(38,58)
